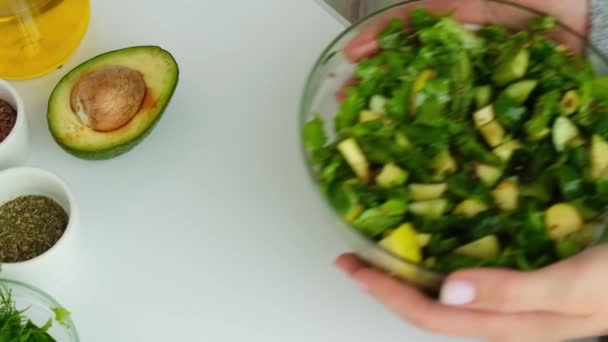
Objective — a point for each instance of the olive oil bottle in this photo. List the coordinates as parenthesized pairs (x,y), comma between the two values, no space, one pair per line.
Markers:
(37,36)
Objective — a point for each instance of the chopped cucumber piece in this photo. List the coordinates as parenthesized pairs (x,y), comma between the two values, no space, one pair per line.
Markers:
(563,219)
(484,248)
(403,242)
(599,157)
(521,90)
(425,192)
(506,195)
(488,174)
(433,209)
(493,133)
(470,208)
(483,95)
(505,151)
(484,116)
(391,175)
(353,155)
(368,115)
(377,104)
(563,132)
(444,163)
(513,69)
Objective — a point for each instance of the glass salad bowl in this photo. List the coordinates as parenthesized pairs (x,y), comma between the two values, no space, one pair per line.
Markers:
(333,70)
(40,308)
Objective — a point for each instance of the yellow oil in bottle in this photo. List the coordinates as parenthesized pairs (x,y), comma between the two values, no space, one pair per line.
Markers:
(37,36)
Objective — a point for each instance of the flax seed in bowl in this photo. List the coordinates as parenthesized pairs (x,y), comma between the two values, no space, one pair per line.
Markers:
(14,139)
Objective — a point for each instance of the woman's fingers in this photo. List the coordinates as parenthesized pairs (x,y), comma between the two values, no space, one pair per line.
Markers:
(415,307)
(365,44)
(349,263)
(573,13)
(566,287)
(508,291)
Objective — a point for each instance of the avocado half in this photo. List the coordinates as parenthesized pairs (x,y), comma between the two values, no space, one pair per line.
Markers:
(107,105)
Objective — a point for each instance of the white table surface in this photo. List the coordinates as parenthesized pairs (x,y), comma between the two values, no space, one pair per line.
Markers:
(209,230)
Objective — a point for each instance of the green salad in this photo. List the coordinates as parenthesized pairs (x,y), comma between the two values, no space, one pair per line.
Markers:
(469,148)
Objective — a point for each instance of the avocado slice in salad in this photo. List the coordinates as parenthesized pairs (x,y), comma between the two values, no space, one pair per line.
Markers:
(110,103)
(513,69)
(391,175)
(404,242)
(485,248)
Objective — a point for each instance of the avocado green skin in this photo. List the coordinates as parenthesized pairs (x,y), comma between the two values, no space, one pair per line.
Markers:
(120,149)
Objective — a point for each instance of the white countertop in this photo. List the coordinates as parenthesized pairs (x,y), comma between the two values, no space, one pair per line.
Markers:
(209,230)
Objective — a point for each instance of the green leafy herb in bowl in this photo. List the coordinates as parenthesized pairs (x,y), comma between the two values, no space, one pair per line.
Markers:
(466,148)
(28,315)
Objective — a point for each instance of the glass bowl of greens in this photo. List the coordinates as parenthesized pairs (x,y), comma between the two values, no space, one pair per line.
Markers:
(447,139)
(28,314)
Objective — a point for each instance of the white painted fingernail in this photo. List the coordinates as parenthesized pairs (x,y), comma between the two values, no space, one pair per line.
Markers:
(362,284)
(457,293)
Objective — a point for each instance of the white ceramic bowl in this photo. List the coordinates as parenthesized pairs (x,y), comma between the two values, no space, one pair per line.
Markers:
(59,260)
(14,149)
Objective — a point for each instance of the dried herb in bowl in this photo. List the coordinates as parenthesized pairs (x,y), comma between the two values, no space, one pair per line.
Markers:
(29,226)
(8,117)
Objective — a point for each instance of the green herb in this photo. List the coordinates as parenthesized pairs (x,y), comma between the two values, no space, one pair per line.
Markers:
(29,226)
(15,327)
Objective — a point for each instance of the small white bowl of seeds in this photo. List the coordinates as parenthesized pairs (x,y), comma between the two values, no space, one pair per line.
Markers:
(14,136)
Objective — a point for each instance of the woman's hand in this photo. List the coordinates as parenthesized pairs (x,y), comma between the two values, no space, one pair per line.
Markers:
(564,301)
(573,13)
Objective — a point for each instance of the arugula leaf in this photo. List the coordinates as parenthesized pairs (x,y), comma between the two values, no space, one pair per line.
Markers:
(350,109)
(545,110)
(472,150)
(543,24)
(450,33)
(15,327)
(421,19)
(398,105)
(393,37)
(62,315)
(509,113)
(431,101)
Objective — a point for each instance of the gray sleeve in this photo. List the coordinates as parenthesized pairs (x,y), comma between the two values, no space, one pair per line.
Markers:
(599,25)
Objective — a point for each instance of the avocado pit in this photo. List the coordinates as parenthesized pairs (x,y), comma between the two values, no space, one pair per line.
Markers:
(108,98)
